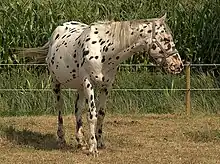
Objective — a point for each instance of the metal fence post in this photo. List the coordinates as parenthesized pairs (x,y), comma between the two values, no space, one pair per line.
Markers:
(188,98)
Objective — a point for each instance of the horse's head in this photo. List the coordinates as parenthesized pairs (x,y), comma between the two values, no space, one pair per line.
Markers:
(161,47)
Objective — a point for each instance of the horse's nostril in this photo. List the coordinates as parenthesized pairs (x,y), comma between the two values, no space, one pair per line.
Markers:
(181,66)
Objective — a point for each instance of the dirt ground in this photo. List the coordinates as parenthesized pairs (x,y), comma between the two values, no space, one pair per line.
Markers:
(129,139)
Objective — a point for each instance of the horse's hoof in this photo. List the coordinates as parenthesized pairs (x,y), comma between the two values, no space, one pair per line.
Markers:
(94,153)
(82,147)
(101,146)
(61,144)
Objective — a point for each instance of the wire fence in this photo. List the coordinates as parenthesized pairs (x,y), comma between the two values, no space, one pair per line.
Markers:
(187,89)
(121,89)
(124,65)
(115,89)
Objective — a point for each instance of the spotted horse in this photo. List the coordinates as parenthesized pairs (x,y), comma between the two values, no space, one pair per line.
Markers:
(82,57)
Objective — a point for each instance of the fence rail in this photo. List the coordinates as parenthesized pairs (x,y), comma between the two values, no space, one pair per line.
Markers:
(187,90)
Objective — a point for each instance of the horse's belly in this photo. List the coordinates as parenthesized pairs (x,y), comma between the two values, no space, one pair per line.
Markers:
(72,84)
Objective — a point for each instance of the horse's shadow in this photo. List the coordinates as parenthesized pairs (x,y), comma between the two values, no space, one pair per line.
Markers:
(30,138)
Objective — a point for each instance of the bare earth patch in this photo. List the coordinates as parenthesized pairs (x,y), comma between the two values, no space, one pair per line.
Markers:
(129,139)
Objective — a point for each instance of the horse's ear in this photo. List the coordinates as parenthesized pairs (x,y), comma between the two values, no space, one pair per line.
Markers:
(163,18)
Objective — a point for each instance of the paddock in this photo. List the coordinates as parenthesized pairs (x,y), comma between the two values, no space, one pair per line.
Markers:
(150,138)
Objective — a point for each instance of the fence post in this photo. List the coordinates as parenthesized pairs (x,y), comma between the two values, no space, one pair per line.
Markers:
(188,98)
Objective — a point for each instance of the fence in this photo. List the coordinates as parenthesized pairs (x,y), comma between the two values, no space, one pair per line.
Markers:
(187,90)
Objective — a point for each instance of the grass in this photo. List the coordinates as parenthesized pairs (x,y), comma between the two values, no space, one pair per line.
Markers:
(29,23)
(18,103)
(129,139)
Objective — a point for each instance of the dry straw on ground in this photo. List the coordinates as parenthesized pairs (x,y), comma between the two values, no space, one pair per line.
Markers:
(129,139)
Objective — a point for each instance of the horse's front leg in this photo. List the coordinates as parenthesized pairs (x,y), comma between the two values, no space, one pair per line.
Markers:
(101,115)
(92,115)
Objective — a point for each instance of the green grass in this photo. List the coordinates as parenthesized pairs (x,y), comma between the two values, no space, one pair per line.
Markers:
(195,23)
(166,101)
(29,23)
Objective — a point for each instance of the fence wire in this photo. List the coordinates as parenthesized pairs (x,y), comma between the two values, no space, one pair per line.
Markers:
(118,89)
(123,65)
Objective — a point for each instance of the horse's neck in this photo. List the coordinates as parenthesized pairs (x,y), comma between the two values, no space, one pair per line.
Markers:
(125,49)
(120,57)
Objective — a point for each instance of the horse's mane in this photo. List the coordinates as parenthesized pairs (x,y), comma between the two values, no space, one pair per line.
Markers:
(121,30)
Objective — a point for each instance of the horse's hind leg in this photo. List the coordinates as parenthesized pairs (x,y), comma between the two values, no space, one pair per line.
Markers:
(91,115)
(59,108)
(79,105)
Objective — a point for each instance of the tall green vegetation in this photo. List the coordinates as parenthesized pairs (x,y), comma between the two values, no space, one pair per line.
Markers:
(29,23)
(22,102)
(195,23)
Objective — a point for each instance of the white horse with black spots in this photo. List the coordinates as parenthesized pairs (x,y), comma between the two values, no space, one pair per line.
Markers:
(82,57)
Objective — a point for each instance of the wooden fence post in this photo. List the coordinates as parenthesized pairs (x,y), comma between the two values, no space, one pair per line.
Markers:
(188,98)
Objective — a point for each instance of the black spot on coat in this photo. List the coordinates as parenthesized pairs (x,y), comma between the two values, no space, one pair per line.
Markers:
(85,53)
(57,36)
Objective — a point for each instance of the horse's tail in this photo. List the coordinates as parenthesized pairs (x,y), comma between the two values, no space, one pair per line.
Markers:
(37,54)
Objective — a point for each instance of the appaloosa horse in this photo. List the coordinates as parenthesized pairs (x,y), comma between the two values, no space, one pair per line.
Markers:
(81,56)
